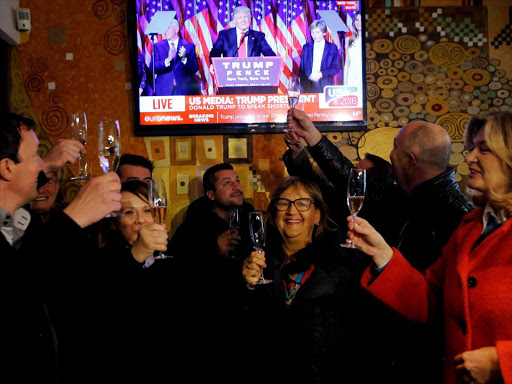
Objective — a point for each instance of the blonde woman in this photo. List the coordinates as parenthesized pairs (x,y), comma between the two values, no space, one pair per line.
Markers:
(471,284)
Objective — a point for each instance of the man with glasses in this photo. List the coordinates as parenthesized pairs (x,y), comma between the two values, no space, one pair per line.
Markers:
(46,196)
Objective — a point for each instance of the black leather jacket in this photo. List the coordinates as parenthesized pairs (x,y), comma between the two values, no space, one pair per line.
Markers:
(419,225)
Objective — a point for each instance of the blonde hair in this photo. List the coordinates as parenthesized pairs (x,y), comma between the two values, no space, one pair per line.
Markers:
(355,32)
(498,137)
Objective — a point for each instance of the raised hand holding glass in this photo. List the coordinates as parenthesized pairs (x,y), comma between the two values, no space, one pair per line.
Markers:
(79,132)
(356,190)
(158,205)
(257,232)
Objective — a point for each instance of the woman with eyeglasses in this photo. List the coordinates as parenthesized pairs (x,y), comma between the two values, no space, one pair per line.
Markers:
(309,314)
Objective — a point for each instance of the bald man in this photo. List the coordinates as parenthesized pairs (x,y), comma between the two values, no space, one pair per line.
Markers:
(417,215)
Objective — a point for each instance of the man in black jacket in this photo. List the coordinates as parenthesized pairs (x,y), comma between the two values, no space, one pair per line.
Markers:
(417,215)
(212,284)
(30,252)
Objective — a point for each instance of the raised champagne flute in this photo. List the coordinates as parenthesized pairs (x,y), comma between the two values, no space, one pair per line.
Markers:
(109,149)
(157,198)
(234,222)
(293,91)
(257,232)
(356,190)
(79,132)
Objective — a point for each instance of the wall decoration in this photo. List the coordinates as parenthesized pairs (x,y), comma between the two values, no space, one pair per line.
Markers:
(158,150)
(505,35)
(114,40)
(183,150)
(238,149)
(182,183)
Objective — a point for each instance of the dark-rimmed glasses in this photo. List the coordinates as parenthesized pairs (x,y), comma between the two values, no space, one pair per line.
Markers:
(302,204)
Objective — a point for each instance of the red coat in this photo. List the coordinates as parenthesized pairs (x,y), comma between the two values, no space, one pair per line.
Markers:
(474,288)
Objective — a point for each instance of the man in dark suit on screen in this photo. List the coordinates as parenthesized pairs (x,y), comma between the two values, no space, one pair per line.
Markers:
(241,41)
(320,61)
(175,65)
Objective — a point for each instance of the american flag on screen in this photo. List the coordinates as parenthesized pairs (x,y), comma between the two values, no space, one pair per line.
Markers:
(200,28)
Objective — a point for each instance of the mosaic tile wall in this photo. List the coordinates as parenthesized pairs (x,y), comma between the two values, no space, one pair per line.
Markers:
(428,63)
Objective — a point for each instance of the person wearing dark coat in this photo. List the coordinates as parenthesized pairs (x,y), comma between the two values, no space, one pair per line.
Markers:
(209,255)
(36,257)
(175,65)
(139,294)
(318,72)
(417,215)
(309,313)
(229,42)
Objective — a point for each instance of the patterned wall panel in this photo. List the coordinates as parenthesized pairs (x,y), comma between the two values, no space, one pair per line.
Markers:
(437,64)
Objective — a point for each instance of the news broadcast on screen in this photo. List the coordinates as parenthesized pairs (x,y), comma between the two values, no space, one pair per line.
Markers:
(226,66)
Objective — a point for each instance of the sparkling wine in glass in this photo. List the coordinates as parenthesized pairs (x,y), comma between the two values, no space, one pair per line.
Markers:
(109,145)
(158,205)
(234,222)
(109,149)
(257,232)
(79,132)
(356,190)
(293,91)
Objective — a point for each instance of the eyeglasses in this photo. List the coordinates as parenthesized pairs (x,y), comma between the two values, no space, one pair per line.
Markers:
(302,204)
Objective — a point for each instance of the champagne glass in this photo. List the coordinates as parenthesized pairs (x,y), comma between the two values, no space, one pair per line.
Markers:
(234,222)
(356,190)
(157,198)
(109,148)
(257,232)
(79,132)
(293,96)
(293,91)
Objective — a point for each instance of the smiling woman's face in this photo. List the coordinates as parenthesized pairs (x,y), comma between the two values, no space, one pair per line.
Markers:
(294,224)
(136,213)
(487,171)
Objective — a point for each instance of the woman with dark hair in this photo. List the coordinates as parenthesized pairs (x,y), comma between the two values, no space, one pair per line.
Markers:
(470,286)
(139,296)
(311,306)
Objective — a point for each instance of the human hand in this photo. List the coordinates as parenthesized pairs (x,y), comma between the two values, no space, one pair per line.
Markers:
(478,366)
(368,240)
(96,199)
(64,152)
(315,76)
(294,142)
(252,268)
(182,51)
(227,241)
(152,237)
(299,121)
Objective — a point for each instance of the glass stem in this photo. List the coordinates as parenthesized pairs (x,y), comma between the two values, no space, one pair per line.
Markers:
(80,173)
(353,222)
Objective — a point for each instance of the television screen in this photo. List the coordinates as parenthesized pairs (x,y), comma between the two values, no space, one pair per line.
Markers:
(236,66)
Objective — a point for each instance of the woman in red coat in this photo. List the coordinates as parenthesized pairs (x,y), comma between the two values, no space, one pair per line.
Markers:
(471,284)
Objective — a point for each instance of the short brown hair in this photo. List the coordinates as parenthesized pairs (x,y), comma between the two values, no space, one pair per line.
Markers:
(312,189)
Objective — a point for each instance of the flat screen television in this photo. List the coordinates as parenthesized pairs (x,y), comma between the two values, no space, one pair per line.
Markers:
(218,80)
